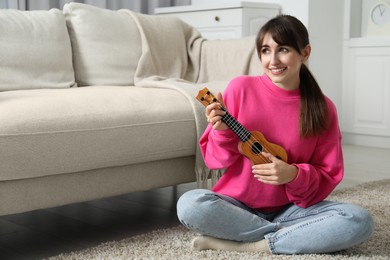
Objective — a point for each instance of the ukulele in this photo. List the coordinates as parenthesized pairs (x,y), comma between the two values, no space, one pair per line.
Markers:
(252,143)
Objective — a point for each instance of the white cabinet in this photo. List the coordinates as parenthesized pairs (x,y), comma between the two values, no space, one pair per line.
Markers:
(366,84)
(224,21)
(367,91)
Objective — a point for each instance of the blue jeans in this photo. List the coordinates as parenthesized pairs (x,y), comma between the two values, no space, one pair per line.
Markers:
(324,227)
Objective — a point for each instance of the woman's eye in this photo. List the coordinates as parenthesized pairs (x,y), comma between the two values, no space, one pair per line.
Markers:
(264,51)
(283,49)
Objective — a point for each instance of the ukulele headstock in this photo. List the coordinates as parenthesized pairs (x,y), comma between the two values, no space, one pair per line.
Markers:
(206,97)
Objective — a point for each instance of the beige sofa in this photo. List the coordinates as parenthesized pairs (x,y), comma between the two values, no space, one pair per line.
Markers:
(97,103)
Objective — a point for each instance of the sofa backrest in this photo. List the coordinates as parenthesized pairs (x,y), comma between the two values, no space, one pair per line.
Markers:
(35,50)
(86,45)
(106,45)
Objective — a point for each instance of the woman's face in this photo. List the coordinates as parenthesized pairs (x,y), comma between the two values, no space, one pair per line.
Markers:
(282,63)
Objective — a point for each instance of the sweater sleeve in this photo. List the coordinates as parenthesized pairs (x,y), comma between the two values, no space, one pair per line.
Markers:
(220,147)
(318,178)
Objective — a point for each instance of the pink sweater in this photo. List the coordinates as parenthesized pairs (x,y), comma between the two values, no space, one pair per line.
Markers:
(259,105)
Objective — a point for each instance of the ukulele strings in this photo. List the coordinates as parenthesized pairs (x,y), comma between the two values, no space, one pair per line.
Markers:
(236,126)
(256,150)
(240,130)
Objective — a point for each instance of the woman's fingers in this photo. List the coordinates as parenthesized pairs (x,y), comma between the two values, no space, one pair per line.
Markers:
(214,113)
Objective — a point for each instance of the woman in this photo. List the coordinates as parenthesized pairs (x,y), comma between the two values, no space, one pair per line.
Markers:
(277,207)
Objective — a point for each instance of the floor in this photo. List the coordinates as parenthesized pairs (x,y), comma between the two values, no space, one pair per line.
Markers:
(43,233)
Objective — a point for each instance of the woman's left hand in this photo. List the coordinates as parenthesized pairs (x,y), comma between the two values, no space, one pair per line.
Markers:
(276,172)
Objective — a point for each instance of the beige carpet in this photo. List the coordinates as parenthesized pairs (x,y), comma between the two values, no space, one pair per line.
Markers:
(174,243)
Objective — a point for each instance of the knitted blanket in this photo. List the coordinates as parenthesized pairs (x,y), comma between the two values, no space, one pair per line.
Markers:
(175,56)
(190,91)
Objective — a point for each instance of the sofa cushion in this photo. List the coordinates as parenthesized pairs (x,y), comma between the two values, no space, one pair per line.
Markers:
(58,131)
(106,45)
(35,50)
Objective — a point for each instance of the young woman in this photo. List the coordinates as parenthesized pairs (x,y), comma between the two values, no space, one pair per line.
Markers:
(277,207)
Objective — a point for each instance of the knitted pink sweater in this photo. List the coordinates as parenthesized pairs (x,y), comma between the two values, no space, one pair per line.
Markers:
(258,104)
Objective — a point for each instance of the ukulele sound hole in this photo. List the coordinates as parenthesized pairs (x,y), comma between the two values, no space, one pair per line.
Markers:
(257,148)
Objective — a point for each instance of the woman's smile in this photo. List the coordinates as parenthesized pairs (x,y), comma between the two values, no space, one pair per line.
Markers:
(282,63)
(277,71)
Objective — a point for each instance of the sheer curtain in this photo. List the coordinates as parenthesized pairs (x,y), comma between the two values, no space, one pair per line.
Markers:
(141,6)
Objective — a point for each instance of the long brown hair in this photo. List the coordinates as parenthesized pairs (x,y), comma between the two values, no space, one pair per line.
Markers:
(289,31)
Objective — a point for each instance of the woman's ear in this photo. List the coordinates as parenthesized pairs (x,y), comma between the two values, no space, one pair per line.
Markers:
(306,53)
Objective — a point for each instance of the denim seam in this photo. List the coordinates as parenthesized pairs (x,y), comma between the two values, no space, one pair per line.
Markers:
(271,240)
(195,229)
(296,217)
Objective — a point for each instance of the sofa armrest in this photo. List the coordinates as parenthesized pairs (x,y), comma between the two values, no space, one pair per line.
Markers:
(225,59)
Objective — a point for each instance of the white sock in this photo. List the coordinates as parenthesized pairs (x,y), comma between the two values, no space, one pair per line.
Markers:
(206,242)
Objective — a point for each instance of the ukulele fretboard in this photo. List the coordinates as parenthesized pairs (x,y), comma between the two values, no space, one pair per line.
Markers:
(237,128)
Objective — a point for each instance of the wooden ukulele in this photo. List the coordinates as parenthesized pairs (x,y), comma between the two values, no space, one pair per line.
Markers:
(252,143)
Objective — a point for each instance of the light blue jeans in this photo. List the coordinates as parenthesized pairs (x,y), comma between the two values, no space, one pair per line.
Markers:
(322,228)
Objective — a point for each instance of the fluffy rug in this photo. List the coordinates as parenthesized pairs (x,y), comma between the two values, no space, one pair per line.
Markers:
(174,243)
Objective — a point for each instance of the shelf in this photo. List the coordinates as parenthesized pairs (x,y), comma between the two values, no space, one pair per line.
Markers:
(226,20)
(211,6)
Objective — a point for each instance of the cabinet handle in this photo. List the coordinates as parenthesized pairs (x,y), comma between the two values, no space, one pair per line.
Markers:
(216,18)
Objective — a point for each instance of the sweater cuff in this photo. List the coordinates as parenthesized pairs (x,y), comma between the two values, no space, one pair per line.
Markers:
(299,180)
(224,134)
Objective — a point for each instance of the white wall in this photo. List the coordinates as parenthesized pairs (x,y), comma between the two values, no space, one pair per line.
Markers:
(326,32)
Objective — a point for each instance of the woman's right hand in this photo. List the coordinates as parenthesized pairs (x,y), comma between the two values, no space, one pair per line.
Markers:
(214,114)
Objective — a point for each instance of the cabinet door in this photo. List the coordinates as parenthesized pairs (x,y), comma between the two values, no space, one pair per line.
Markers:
(212,18)
(255,18)
(366,94)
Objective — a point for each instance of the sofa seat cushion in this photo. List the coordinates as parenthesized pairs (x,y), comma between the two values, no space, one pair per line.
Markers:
(58,131)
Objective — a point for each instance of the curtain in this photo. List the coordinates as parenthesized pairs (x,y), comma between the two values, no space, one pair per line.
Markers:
(141,6)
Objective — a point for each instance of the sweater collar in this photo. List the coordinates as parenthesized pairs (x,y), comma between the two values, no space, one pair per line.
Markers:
(277,91)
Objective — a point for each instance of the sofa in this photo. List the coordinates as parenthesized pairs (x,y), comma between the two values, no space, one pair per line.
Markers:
(97,103)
